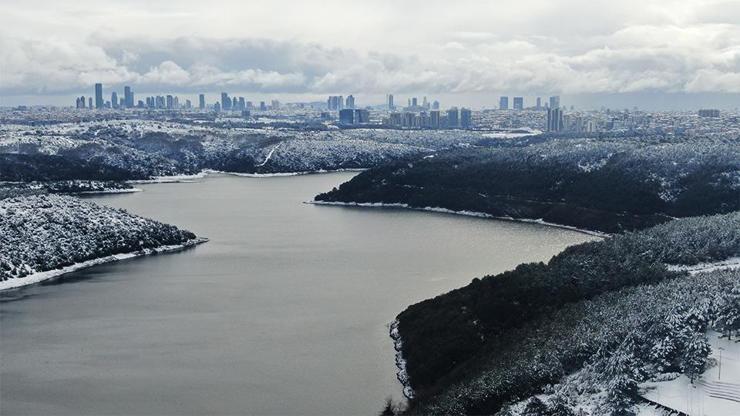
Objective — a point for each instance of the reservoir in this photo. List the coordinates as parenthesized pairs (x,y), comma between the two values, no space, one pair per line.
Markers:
(284,311)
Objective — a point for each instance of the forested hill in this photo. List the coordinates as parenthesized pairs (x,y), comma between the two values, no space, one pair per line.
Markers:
(503,338)
(47,232)
(608,185)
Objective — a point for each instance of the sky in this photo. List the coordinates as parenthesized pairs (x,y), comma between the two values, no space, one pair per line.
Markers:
(662,53)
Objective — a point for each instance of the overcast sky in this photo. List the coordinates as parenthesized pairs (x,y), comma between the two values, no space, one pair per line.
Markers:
(473,50)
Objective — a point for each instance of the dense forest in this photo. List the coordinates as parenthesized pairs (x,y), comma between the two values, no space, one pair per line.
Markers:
(446,339)
(608,184)
(46,232)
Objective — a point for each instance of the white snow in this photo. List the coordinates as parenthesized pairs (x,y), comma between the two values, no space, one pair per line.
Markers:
(714,394)
(51,274)
(465,213)
(728,264)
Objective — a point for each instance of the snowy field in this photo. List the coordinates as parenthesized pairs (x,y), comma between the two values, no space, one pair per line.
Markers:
(716,393)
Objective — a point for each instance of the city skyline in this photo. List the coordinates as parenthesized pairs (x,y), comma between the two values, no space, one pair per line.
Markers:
(662,55)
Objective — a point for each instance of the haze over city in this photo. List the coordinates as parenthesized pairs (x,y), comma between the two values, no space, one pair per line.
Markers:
(652,54)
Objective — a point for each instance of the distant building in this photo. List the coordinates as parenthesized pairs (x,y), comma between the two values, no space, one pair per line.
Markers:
(503,103)
(170,102)
(347,116)
(453,118)
(225,102)
(555,101)
(275,105)
(335,102)
(554,119)
(128,97)
(434,120)
(466,118)
(263,106)
(389,102)
(202,101)
(114,99)
(362,116)
(350,102)
(99,103)
(435,105)
(539,103)
(518,103)
(709,113)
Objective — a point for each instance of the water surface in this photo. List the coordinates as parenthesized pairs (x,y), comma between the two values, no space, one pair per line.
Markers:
(283,312)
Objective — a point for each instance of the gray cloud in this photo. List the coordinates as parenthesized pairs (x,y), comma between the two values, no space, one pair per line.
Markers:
(667,46)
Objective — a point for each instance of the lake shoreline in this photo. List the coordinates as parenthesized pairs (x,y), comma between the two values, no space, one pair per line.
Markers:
(38,277)
(464,213)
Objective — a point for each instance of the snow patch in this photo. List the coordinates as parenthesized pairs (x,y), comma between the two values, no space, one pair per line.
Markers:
(37,277)
(402,375)
(464,212)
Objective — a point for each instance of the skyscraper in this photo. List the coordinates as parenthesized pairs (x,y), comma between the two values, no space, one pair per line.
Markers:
(170,102)
(225,101)
(128,97)
(390,102)
(466,118)
(99,103)
(518,103)
(503,103)
(555,101)
(434,119)
(202,101)
(453,118)
(539,103)
(350,103)
(554,119)
(114,99)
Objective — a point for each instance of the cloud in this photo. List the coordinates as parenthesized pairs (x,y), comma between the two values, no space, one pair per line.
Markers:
(698,56)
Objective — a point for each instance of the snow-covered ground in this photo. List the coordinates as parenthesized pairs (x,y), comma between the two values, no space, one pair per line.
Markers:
(716,393)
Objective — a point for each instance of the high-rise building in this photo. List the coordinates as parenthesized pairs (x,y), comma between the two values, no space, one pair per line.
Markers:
(225,102)
(539,103)
(263,106)
(453,118)
(275,105)
(555,101)
(202,101)
(466,118)
(503,103)
(170,102)
(350,103)
(389,100)
(362,116)
(554,119)
(434,121)
(518,103)
(347,116)
(128,97)
(435,105)
(414,102)
(114,99)
(99,103)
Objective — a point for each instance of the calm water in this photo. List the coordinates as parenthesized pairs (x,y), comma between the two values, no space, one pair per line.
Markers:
(284,311)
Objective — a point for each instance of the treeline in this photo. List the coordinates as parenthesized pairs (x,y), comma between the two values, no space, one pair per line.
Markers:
(440,335)
(46,232)
(609,185)
(16,167)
